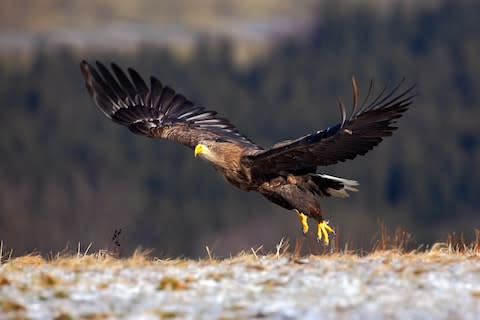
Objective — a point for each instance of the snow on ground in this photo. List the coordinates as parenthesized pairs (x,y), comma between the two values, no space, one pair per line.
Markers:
(433,285)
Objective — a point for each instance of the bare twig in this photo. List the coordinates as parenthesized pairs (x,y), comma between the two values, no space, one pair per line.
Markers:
(209,253)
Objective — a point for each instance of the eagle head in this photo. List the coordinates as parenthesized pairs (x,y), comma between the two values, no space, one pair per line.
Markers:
(205,151)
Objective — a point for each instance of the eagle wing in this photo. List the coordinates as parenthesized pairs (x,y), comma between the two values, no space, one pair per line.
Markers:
(156,111)
(365,128)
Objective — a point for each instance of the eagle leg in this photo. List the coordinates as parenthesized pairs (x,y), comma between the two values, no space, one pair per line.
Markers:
(323,230)
(303,221)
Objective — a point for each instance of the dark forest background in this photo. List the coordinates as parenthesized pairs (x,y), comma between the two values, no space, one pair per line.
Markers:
(69,175)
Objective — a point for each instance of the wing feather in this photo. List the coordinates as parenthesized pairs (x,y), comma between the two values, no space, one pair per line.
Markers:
(158,111)
(140,85)
(362,131)
(126,85)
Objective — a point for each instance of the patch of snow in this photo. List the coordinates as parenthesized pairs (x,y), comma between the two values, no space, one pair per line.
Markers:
(325,287)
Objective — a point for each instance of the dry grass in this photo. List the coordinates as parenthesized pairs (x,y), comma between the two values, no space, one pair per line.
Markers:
(253,283)
(383,243)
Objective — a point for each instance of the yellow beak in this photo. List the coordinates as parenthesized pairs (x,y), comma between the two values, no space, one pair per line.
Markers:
(199,149)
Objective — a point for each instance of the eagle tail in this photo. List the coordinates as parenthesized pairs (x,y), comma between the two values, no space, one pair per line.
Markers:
(334,186)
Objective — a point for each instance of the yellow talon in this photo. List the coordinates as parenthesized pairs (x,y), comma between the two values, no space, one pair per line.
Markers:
(303,220)
(323,230)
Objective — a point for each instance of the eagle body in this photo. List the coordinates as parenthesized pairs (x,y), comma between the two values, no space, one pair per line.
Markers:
(286,173)
(284,189)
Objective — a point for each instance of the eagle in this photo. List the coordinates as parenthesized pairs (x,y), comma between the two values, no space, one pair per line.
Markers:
(286,173)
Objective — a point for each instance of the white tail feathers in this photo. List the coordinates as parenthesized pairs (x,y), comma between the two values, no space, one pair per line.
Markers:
(348,185)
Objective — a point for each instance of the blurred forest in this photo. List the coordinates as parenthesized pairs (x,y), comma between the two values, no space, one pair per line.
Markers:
(69,175)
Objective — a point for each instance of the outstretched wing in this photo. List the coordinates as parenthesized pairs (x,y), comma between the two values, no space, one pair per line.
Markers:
(155,111)
(363,130)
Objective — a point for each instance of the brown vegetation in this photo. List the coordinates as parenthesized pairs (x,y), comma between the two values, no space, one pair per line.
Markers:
(60,285)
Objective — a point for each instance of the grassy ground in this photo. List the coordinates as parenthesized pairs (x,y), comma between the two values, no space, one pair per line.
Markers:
(439,283)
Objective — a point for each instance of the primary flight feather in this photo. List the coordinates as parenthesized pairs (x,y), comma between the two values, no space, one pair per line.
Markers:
(286,173)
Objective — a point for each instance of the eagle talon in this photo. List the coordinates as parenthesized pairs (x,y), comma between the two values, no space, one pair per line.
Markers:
(322,232)
(303,221)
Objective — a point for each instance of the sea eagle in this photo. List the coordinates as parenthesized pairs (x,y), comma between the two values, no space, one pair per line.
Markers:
(286,173)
